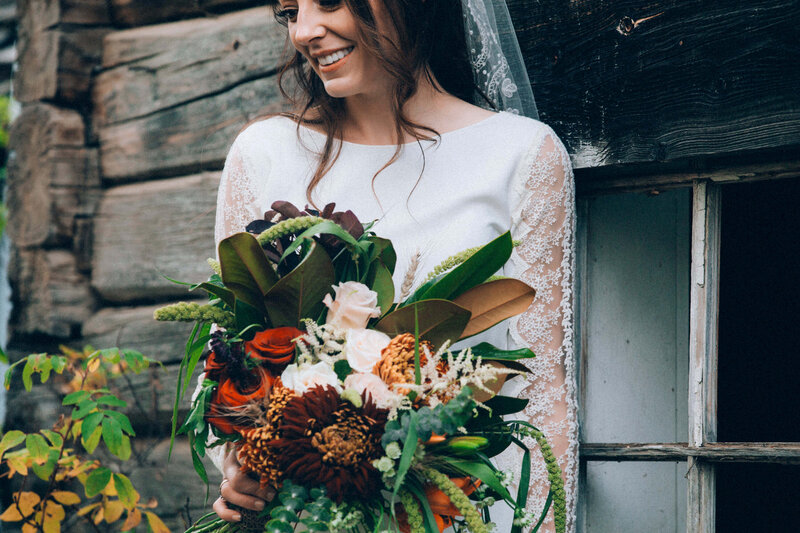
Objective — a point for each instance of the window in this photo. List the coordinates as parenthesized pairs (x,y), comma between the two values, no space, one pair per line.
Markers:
(687,303)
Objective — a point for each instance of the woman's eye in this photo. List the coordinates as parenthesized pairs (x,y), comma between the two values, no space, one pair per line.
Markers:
(286,15)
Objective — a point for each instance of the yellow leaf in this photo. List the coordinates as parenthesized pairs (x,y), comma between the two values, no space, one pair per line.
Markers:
(134,517)
(27,502)
(98,517)
(17,465)
(66,497)
(27,528)
(113,510)
(53,515)
(11,514)
(155,523)
(88,508)
(93,365)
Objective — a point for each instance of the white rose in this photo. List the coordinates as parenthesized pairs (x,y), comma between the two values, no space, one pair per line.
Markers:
(353,305)
(375,387)
(363,348)
(301,379)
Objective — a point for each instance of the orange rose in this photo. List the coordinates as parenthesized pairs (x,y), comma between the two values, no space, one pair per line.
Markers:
(274,347)
(229,395)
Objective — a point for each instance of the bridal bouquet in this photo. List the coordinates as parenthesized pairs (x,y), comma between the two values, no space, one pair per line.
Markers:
(357,409)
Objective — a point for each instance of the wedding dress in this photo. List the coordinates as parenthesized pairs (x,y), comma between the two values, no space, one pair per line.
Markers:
(437,199)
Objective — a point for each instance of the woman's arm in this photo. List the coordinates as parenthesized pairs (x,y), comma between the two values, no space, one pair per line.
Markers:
(543,208)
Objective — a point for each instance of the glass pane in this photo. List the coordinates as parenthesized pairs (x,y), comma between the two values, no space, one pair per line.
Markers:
(757,497)
(635,316)
(638,496)
(759,307)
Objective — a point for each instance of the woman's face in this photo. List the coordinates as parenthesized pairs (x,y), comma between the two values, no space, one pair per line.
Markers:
(325,32)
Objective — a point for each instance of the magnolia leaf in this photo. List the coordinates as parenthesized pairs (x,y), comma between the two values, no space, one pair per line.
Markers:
(384,286)
(438,321)
(246,271)
(112,510)
(66,497)
(299,293)
(155,523)
(493,302)
(475,270)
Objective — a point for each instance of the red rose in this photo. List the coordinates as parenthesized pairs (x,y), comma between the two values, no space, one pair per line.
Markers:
(213,368)
(230,394)
(274,347)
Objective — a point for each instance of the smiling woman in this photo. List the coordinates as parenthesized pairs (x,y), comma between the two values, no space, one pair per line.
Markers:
(391,122)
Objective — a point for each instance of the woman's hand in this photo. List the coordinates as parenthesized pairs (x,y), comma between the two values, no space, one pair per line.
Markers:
(239,489)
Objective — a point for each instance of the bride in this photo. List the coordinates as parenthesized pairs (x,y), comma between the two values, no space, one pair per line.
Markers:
(386,125)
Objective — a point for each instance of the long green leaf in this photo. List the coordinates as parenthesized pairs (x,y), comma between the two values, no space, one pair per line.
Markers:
(491,353)
(524,480)
(409,447)
(481,471)
(429,521)
(477,269)
(439,320)
(299,293)
(328,227)
(246,271)
(179,387)
(226,295)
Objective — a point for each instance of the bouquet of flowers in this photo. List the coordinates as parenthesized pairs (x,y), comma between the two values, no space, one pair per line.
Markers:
(354,407)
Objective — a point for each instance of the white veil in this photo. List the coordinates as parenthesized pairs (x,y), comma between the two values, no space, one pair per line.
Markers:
(496,57)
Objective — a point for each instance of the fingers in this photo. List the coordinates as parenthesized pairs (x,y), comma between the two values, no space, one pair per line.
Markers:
(242,491)
(223,512)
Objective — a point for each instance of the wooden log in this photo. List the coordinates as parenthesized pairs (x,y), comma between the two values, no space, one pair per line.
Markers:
(153,68)
(49,295)
(135,328)
(625,82)
(149,230)
(738,452)
(52,177)
(186,139)
(128,13)
(57,63)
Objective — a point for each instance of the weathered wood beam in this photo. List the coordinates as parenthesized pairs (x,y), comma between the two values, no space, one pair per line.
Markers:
(145,231)
(742,452)
(626,81)
(153,68)
(141,12)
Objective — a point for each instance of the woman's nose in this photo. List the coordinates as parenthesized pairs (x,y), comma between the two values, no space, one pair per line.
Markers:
(309,26)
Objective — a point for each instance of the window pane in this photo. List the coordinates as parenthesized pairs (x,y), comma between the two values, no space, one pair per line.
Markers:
(759,348)
(637,496)
(635,260)
(757,497)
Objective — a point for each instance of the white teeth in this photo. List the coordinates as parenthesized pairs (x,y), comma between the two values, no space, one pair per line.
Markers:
(334,57)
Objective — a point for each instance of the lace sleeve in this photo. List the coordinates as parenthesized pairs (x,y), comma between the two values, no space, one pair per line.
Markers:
(543,209)
(237,199)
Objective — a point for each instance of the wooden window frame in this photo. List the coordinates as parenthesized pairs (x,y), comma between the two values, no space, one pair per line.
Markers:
(702,451)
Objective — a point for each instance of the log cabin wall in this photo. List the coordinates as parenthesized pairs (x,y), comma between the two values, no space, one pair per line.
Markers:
(129,107)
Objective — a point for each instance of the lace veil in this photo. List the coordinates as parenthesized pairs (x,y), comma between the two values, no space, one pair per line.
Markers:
(496,58)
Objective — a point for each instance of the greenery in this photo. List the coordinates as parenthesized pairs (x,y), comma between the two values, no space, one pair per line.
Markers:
(48,464)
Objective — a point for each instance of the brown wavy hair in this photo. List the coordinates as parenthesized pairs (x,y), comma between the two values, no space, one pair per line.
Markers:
(430,42)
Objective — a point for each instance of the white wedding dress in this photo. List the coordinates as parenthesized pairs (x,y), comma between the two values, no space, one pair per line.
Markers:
(505,172)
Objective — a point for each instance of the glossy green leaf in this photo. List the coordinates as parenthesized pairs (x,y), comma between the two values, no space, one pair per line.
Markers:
(75,397)
(328,227)
(246,271)
(226,295)
(409,447)
(481,471)
(477,269)
(524,481)
(83,409)
(111,400)
(383,284)
(122,420)
(491,353)
(90,422)
(429,521)
(299,294)
(438,320)
(245,315)
(506,405)
(97,481)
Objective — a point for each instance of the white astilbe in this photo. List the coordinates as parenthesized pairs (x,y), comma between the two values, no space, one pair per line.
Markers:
(462,370)
(320,343)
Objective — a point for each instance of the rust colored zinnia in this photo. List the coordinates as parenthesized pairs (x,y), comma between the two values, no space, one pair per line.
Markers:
(256,455)
(231,394)
(397,363)
(273,347)
(325,439)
